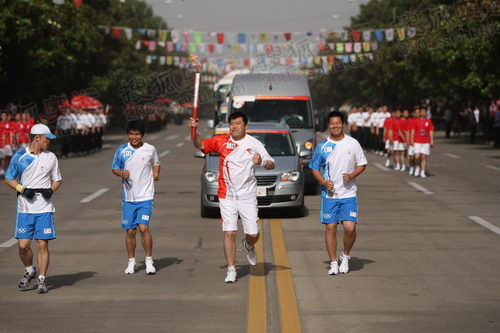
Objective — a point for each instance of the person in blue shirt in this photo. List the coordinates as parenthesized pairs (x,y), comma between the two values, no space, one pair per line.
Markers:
(137,164)
(34,173)
(336,162)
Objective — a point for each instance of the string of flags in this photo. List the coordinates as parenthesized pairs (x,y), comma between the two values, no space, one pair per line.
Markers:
(226,64)
(209,37)
(270,49)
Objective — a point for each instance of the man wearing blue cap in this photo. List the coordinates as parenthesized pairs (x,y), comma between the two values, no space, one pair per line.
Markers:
(34,173)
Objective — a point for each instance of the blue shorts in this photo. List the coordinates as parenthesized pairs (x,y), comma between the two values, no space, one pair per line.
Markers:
(134,213)
(337,210)
(35,226)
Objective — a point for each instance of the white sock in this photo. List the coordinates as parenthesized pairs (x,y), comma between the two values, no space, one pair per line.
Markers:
(29,269)
(131,259)
(41,278)
(231,268)
(149,258)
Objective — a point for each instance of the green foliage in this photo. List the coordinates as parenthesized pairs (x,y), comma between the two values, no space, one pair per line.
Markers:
(452,59)
(55,50)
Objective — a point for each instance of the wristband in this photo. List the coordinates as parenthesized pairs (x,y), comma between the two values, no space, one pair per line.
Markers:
(263,163)
(19,188)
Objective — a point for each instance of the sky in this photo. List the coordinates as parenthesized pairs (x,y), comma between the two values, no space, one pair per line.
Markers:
(256,15)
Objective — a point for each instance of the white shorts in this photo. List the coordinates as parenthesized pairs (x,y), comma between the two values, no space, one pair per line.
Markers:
(411,150)
(246,209)
(423,148)
(398,146)
(388,145)
(7,150)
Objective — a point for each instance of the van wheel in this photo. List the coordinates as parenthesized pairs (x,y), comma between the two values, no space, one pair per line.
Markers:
(300,211)
(208,212)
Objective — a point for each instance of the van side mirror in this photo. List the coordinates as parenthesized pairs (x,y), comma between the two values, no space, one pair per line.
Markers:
(198,154)
(305,153)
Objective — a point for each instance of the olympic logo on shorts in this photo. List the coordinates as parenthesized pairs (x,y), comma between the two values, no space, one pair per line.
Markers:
(124,222)
(327,216)
(22,230)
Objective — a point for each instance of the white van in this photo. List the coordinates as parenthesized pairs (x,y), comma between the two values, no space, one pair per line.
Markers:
(280,98)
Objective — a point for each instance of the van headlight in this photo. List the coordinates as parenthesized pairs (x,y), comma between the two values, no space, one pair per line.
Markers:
(309,144)
(211,176)
(291,176)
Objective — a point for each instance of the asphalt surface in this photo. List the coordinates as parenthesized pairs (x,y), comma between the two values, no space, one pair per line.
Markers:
(427,257)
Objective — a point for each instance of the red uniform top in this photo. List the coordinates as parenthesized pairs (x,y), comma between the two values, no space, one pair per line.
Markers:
(1,134)
(423,128)
(24,130)
(387,127)
(405,122)
(397,125)
(9,127)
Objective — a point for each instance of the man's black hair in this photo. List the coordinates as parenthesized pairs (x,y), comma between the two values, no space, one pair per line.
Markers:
(238,114)
(136,125)
(336,114)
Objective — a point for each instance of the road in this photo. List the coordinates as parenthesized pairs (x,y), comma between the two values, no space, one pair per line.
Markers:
(426,259)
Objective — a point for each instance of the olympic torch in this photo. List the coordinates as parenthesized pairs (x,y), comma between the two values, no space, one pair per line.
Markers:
(194,113)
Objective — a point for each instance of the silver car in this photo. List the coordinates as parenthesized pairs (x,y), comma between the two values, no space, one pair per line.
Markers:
(280,188)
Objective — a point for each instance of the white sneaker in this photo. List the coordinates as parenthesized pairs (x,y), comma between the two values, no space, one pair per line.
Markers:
(403,168)
(388,163)
(130,267)
(396,168)
(150,268)
(230,276)
(422,174)
(411,171)
(417,172)
(344,263)
(334,268)
(251,255)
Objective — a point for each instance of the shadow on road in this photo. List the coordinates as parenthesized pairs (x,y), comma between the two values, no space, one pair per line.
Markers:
(162,263)
(65,280)
(355,263)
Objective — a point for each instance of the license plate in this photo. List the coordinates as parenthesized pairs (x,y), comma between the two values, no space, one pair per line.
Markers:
(261,191)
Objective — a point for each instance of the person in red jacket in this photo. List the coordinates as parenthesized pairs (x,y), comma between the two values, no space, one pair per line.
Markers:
(423,138)
(398,142)
(387,130)
(24,128)
(411,145)
(8,127)
(2,155)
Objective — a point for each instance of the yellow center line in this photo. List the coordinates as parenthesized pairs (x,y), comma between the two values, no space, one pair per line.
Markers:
(289,314)
(257,303)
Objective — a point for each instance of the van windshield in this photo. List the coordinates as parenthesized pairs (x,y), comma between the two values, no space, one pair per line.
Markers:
(295,113)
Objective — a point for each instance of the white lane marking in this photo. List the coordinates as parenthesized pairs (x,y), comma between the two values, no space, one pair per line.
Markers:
(166,152)
(180,144)
(381,167)
(171,137)
(105,146)
(9,243)
(154,137)
(94,195)
(485,224)
(420,188)
(188,137)
(492,167)
(452,155)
